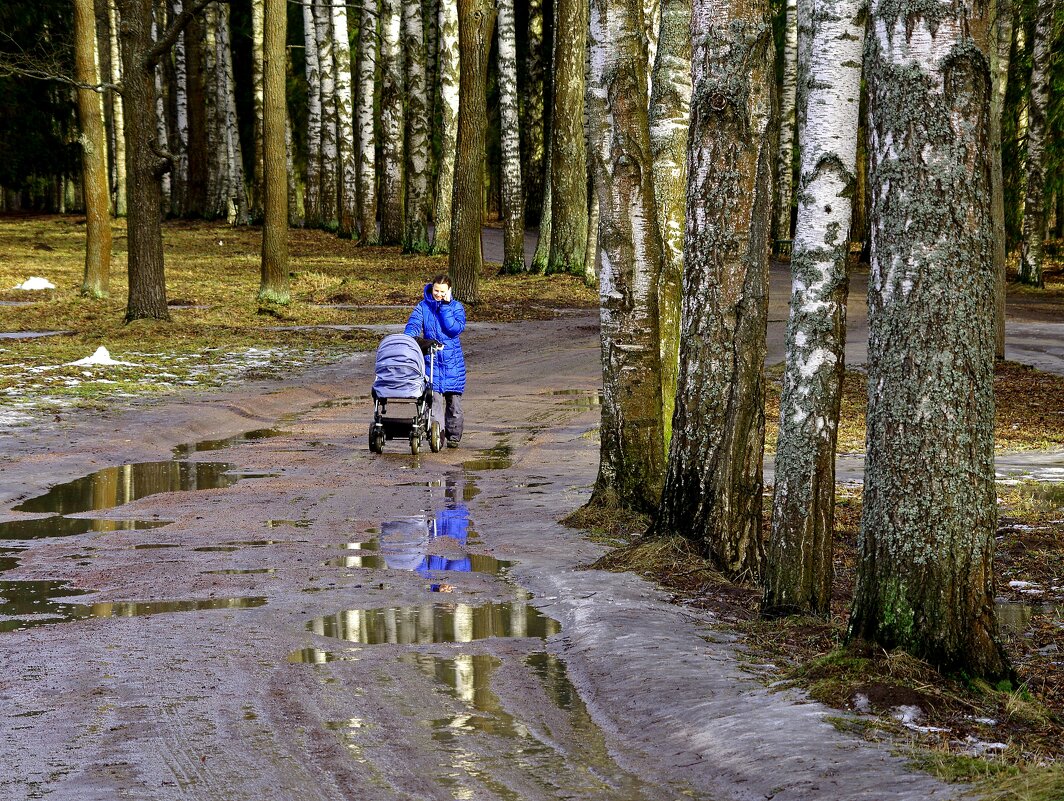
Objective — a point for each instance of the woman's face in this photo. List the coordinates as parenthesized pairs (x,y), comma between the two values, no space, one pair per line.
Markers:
(439,291)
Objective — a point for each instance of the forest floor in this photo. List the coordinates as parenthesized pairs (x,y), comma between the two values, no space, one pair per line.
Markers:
(126,699)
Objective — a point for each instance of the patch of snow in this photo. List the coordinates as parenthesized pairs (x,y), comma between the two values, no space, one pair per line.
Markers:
(981,747)
(101,357)
(36,282)
(1020,584)
(908,714)
(861,703)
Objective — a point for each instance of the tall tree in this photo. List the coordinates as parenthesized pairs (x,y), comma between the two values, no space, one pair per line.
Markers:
(1002,16)
(118,117)
(568,153)
(347,180)
(258,48)
(179,195)
(632,453)
(162,125)
(713,482)
(533,109)
(513,204)
(788,93)
(330,158)
(312,196)
(93,141)
(799,567)
(274,284)
(416,123)
(448,103)
(1034,205)
(925,577)
(391,125)
(476,19)
(670,109)
(367,158)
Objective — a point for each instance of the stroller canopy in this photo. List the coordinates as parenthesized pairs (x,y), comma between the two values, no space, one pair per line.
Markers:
(400,368)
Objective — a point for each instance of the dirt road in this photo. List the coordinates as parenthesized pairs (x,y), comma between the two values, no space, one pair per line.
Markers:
(318,622)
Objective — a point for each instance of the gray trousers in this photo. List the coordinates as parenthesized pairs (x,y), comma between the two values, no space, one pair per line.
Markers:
(447,408)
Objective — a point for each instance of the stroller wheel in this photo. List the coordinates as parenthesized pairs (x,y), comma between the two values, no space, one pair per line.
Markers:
(415,442)
(435,437)
(376,438)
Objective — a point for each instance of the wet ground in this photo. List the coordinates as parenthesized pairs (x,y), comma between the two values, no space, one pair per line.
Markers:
(230,597)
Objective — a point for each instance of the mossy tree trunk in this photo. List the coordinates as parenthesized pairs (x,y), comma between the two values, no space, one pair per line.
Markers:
(476,20)
(798,571)
(713,483)
(274,285)
(925,578)
(632,455)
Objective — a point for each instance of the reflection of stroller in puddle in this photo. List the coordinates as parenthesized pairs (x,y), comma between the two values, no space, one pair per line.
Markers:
(399,378)
(405,544)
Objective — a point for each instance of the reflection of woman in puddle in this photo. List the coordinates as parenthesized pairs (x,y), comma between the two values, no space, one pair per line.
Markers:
(405,543)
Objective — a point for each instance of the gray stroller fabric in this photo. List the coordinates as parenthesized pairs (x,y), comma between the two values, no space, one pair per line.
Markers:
(400,368)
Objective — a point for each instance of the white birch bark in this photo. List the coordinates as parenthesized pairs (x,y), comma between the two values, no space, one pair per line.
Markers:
(117,112)
(1002,15)
(236,192)
(392,119)
(652,11)
(257,11)
(416,124)
(1034,205)
(330,164)
(788,90)
(512,196)
(367,151)
(345,121)
(799,567)
(162,134)
(180,144)
(216,170)
(312,191)
(448,103)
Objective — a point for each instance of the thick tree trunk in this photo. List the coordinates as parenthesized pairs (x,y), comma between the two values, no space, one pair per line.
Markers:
(632,453)
(513,204)
(670,110)
(799,567)
(257,100)
(367,158)
(416,122)
(312,194)
(118,117)
(788,93)
(93,141)
(925,580)
(533,121)
(568,242)
(476,19)
(712,491)
(274,285)
(391,127)
(1002,16)
(449,80)
(345,119)
(330,161)
(1034,205)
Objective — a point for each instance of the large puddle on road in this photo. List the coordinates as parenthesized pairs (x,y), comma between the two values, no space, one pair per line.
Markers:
(436,623)
(499,457)
(42,527)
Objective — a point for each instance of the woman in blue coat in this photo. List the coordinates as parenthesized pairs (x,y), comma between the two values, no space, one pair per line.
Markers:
(440,317)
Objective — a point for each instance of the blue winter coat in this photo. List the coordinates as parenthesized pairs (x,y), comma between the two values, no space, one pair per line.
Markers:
(433,319)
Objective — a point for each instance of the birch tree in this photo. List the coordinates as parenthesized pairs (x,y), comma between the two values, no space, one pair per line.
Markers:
(391,125)
(925,575)
(162,128)
(533,121)
(367,151)
(179,194)
(448,61)
(347,179)
(1002,16)
(118,117)
(512,200)
(788,91)
(312,194)
(1034,205)
(632,454)
(93,140)
(713,482)
(416,125)
(670,109)
(799,567)
(330,158)
(257,91)
(273,287)
(568,241)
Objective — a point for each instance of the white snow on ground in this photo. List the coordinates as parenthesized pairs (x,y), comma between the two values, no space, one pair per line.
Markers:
(101,357)
(36,282)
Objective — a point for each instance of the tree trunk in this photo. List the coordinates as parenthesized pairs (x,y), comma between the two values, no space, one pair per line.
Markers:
(162,128)
(367,158)
(532,116)
(330,161)
(476,18)
(196,190)
(93,154)
(670,110)
(1034,205)
(632,453)
(236,195)
(179,193)
(391,64)
(312,194)
(712,491)
(513,205)
(1002,16)
(799,567)
(257,100)
(345,120)
(295,219)
(449,80)
(568,242)
(788,92)
(118,117)
(925,578)
(416,121)
(541,257)
(274,285)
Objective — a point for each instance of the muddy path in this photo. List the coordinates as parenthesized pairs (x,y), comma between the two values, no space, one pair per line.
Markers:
(317,622)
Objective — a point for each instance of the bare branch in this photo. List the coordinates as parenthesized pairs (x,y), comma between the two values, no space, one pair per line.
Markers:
(166,159)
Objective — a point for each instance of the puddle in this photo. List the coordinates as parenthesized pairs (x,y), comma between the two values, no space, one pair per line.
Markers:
(247,572)
(316,656)
(1014,618)
(42,527)
(499,457)
(436,623)
(116,486)
(358,555)
(151,546)
(33,334)
(26,604)
(227,442)
(217,548)
(295,523)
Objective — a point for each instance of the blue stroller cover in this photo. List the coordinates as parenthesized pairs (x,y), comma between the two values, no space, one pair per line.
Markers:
(400,368)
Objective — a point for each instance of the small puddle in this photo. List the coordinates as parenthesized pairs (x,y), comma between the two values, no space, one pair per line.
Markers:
(1015,618)
(358,555)
(235,572)
(498,458)
(42,527)
(228,442)
(32,334)
(436,623)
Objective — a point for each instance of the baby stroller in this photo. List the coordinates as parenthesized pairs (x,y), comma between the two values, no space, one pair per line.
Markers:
(399,377)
